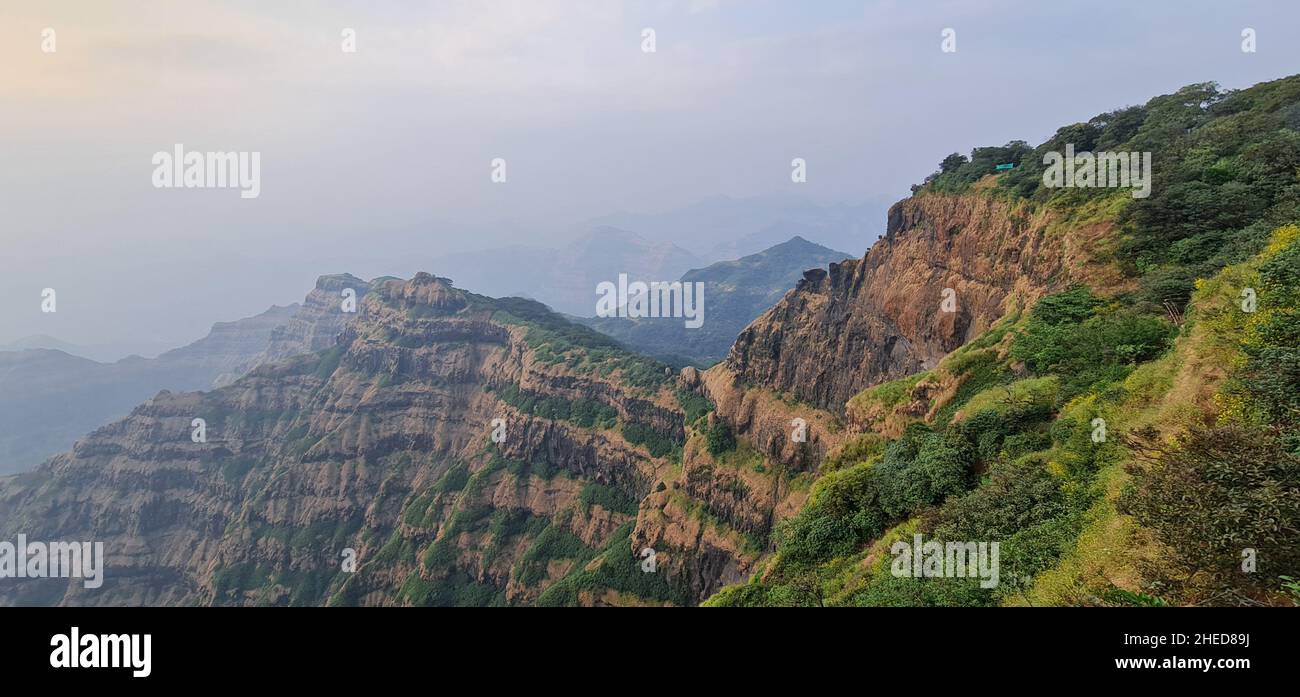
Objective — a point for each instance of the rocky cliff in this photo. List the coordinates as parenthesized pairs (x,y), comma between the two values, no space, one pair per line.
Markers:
(313,326)
(381,446)
(944,272)
(378,442)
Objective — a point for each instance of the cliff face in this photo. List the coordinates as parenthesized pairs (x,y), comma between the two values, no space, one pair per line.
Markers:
(380,445)
(225,351)
(884,316)
(312,327)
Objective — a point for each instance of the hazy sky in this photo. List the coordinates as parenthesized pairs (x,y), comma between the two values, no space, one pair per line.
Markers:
(378,160)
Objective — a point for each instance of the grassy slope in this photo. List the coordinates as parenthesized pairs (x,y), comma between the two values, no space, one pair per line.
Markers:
(997,443)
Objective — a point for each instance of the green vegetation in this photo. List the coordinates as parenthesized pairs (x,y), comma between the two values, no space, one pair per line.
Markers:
(557,340)
(720,438)
(587,413)
(606,497)
(658,444)
(1216,490)
(695,406)
(619,571)
(1071,335)
(329,362)
(1203,411)
(235,470)
(455,590)
(1226,173)
(554,543)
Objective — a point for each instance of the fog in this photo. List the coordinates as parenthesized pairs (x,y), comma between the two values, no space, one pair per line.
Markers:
(378,161)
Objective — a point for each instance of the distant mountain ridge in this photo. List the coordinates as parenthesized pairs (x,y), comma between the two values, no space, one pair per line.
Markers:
(50,397)
(103,353)
(566,278)
(726,227)
(736,292)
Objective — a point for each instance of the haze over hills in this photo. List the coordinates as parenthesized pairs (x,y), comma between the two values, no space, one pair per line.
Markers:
(103,353)
(49,398)
(657,246)
(724,227)
(566,278)
(736,292)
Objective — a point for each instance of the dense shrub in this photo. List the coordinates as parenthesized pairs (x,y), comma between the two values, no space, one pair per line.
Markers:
(720,439)
(619,570)
(694,405)
(852,506)
(609,498)
(1271,376)
(1073,335)
(1214,492)
(658,444)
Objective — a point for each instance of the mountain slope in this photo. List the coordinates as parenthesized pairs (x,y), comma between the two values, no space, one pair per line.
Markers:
(1114,404)
(736,292)
(48,398)
(1112,399)
(381,444)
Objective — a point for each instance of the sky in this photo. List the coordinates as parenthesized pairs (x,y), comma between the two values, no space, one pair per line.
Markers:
(378,161)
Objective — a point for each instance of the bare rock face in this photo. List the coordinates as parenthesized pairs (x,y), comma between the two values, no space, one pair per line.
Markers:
(313,327)
(941,275)
(378,446)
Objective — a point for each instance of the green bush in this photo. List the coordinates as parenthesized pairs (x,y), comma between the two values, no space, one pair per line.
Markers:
(609,498)
(720,439)
(658,444)
(694,405)
(852,506)
(1071,335)
(1215,492)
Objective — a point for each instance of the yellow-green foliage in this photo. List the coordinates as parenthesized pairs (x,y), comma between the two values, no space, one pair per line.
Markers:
(1112,550)
(863,448)
(999,399)
(888,394)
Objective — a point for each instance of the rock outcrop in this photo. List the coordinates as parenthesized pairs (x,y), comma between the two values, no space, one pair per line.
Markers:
(379,446)
(942,274)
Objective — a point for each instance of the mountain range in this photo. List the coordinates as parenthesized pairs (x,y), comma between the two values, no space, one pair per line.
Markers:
(49,397)
(1105,386)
